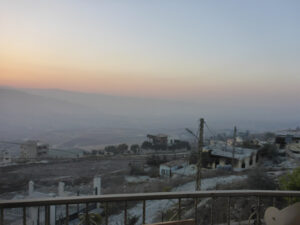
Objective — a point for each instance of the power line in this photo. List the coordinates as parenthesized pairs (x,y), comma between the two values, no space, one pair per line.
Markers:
(210,130)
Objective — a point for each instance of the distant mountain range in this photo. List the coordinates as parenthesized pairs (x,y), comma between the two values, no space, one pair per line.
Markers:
(32,113)
(71,118)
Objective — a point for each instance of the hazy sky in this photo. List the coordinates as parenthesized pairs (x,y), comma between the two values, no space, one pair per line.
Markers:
(165,48)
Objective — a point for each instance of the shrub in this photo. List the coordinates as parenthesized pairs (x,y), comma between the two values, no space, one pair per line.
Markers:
(269,151)
(259,180)
(291,181)
(147,145)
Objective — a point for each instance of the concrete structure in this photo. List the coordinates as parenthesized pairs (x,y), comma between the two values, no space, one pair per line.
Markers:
(61,189)
(33,149)
(169,168)
(238,141)
(5,158)
(160,139)
(221,156)
(97,185)
(286,137)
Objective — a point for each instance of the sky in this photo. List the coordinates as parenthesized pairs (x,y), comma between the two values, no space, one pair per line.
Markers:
(171,49)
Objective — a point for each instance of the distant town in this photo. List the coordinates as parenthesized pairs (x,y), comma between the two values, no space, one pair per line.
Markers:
(160,163)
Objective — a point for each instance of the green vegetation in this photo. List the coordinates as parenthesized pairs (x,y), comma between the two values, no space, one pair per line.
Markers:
(90,218)
(269,151)
(258,179)
(291,181)
(155,160)
(193,159)
(135,148)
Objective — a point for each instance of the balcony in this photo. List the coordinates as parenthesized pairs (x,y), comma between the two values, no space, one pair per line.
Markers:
(181,200)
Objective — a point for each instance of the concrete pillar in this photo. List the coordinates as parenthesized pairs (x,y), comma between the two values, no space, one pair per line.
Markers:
(33,215)
(247,162)
(33,212)
(30,188)
(61,189)
(254,160)
(239,164)
(97,185)
(52,215)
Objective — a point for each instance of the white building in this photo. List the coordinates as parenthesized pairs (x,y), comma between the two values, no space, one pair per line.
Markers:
(33,149)
(5,158)
(169,168)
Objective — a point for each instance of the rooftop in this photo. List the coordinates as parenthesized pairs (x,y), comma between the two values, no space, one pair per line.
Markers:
(240,153)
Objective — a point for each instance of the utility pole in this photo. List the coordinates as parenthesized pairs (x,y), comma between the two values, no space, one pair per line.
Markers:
(200,149)
(199,154)
(233,146)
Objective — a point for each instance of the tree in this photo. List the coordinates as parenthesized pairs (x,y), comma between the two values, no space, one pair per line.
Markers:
(135,148)
(291,181)
(269,151)
(110,148)
(122,148)
(147,145)
(206,159)
(259,180)
(90,218)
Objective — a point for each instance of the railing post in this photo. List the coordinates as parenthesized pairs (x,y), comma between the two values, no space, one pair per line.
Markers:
(144,211)
(67,214)
(196,205)
(38,216)
(125,213)
(258,211)
(212,211)
(228,210)
(274,201)
(1,216)
(106,213)
(179,209)
(24,215)
(47,215)
(87,217)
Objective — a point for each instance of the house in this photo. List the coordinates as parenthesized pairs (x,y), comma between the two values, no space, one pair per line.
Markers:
(221,156)
(159,139)
(5,158)
(285,139)
(238,141)
(169,168)
(33,149)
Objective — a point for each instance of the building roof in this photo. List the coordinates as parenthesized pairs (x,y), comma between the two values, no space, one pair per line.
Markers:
(293,133)
(240,153)
(179,162)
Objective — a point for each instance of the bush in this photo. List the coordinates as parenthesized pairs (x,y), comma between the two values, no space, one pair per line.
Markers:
(153,172)
(136,170)
(155,160)
(135,148)
(259,180)
(147,145)
(291,181)
(122,148)
(193,159)
(269,151)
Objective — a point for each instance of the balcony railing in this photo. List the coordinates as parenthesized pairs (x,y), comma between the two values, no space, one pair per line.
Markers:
(105,200)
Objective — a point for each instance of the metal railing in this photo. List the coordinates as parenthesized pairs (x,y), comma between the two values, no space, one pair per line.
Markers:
(46,203)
